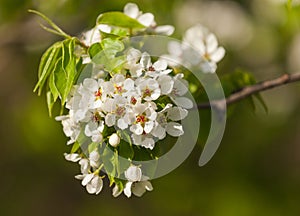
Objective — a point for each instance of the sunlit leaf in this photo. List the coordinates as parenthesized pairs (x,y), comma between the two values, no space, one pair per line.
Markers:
(119,19)
(47,65)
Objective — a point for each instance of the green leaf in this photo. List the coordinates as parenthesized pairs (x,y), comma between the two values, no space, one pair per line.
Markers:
(94,49)
(125,136)
(65,70)
(113,45)
(236,81)
(109,161)
(113,35)
(55,29)
(119,19)
(47,65)
(107,57)
(93,146)
(75,147)
(120,183)
(50,102)
(262,102)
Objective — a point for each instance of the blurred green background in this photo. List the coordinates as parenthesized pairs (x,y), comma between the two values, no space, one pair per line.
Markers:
(254,172)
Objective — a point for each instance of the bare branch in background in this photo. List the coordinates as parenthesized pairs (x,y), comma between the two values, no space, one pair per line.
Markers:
(254,89)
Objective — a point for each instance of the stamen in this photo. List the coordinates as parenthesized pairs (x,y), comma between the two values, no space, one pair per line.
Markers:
(141,119)
(133,100)
(147,92)
(98,94)
(151,68)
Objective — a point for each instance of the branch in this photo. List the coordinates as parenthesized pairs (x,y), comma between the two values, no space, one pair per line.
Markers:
(250,90)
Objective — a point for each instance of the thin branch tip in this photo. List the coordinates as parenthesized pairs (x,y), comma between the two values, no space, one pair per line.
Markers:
(253,89)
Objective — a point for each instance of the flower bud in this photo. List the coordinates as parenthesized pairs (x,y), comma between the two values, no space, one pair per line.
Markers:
(114,140)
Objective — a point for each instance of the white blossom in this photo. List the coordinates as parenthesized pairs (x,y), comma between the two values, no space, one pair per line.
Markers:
(198,49)
(205,42)
(147,19)
(165,122)
(74,157)
(70,127)
(94,130)
(114,140)
(137,183)
(93,183)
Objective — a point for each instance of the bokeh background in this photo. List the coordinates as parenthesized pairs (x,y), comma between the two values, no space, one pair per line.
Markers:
(254,172)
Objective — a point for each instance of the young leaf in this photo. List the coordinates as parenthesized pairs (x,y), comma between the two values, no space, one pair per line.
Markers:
(94,49)
(50,102)
(107,57)
(55,29)
(65,70)
(238,80)
(119,19)
(109,162)
(75,147)
(47,65)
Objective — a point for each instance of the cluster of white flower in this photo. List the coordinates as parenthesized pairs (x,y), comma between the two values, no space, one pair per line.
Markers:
(131,10)
(199,48)
(144,100)
(136,183)
(128,103)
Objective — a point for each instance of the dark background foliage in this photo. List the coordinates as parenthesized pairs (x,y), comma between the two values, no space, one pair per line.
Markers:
(256,169)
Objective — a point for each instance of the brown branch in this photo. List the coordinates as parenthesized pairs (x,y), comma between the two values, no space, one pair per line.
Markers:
(253,89)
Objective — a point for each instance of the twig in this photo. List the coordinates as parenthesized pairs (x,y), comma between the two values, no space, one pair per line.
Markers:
(253,89)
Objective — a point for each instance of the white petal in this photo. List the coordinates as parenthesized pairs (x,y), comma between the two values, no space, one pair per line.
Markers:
(166,84)
(97,138)
(148,185)
(174,129)
(87,179)
(177,113)
(148,143)
(180,87)
(122,124)
(160,65)
(116,191)
(159,132)
(84,166)
(127,189)
(88,130)
(183,102)
(211,43)
(133,55)
(90,84)
(133,173)
(128,84)
(96,184)
(146,19)
(218,54)
(165,30)
(208,67)
(174,48)
(94,156)
(137,139)
(137,129)
(145,60)
(104,28)
(72,157)
(110,120)
(79,177)
(61,118)
(148,126)
(131,10)
(114,140)
(155,94)
(139,188)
